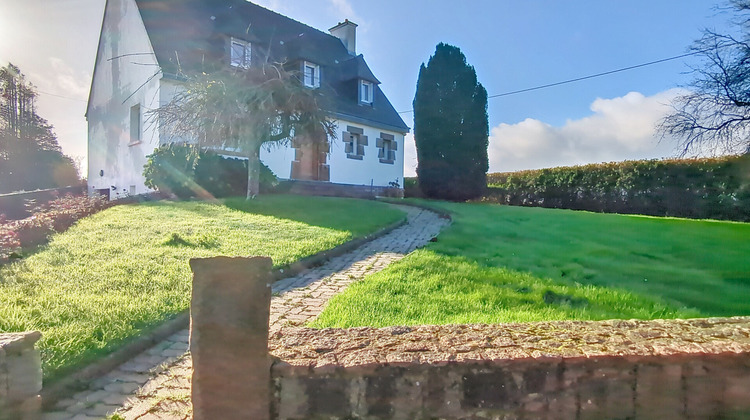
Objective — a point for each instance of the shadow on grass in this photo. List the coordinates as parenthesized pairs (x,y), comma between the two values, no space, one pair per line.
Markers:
(360,217)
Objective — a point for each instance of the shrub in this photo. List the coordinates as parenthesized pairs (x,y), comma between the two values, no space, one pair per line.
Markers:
(185,171)
(411,188)
(9,242)
(716,188)
(55,216)
(66,210)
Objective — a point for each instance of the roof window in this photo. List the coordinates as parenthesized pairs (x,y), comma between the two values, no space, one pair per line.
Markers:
(311,74)
(366,90)
(240,53)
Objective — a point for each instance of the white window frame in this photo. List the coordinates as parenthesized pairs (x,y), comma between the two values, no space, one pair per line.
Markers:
(135,125)
(311,75)
(366,91)
(240,53)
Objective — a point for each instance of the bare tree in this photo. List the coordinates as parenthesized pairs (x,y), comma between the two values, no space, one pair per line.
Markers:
(714,115)
(244,109)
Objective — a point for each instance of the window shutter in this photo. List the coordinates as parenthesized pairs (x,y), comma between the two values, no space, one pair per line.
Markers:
(379,143)
(361,149)
(392,155)
(381,153)
(394,145)
(363,140)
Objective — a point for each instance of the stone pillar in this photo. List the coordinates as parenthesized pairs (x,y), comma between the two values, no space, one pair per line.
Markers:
(20,376)
(229,338)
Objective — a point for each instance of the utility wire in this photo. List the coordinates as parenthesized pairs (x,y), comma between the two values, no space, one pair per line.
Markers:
(514,92)
(61,96)
(578,79)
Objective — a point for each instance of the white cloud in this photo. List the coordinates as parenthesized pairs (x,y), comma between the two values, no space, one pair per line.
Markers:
(619,129)
(67,82)
(343,7)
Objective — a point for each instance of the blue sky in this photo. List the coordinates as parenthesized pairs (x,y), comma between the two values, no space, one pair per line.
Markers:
(512,44)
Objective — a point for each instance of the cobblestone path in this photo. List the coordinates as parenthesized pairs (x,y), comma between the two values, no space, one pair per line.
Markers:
(156,383)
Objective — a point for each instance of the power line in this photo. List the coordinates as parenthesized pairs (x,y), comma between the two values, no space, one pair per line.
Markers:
(60,96)
(578,79)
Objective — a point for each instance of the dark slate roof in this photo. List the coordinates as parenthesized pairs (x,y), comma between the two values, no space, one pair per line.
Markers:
(192,35)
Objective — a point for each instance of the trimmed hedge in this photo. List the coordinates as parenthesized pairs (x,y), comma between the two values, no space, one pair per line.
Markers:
(714,188)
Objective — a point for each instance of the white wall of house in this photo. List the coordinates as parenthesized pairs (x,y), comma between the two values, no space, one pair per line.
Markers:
(343,169)
(278,159)
(369,169)
(121,85)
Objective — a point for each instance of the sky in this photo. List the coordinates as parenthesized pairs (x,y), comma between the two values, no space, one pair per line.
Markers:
(512,44)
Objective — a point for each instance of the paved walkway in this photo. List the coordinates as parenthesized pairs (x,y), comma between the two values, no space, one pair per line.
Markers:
(156,383)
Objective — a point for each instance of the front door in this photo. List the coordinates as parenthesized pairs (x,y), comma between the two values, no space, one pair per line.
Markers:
(310,161)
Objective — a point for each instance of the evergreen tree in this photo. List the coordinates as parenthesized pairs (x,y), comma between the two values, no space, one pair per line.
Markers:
(30,157)
(451,127)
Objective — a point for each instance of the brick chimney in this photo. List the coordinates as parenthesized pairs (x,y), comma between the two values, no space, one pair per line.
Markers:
(346,31)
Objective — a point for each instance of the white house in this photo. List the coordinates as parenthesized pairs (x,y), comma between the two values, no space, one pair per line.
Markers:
(143,44)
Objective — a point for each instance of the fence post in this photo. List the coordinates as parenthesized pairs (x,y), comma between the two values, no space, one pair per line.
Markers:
(20,376)
(229,338)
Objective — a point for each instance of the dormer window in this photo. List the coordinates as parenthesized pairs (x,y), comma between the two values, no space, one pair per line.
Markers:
(240,53)
(365,92)
(311,73)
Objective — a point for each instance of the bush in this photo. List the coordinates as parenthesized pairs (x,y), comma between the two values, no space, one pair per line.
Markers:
(716,188)
(185,171)
(9,243)
(55,216)
(411,188)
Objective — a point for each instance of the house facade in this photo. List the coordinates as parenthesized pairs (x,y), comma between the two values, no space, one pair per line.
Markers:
(145,45)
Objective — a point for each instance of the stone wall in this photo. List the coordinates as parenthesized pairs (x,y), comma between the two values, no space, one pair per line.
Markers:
(590,370)
(20,376)
(691,369)
(328,189)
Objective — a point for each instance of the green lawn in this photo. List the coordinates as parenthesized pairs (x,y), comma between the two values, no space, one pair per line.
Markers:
(501,263)
(123,271)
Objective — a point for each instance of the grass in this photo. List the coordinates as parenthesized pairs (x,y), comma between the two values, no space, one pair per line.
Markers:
(118,273)
(506,264)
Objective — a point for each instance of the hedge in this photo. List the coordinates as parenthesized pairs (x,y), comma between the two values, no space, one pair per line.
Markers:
(712,188)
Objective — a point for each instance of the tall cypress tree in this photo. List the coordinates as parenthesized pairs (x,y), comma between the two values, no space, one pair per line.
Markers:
(451,127)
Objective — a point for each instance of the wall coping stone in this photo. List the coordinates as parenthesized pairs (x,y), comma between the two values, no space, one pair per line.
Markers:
(301,350)
(15,343)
